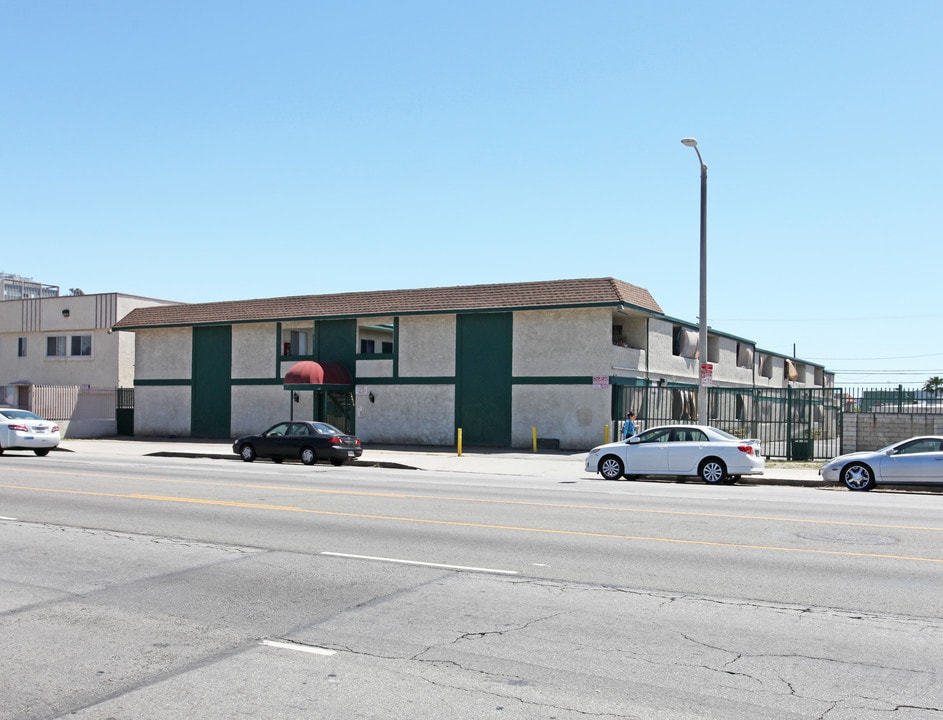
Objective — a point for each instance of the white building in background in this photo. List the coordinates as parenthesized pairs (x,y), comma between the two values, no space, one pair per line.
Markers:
(16,287)
(66,343)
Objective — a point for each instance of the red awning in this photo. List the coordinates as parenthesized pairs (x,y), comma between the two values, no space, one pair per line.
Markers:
(308,372)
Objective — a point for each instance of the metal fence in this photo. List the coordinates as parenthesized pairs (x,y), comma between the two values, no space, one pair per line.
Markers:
(791,423)
(71,402)
(80,410)
(892,400)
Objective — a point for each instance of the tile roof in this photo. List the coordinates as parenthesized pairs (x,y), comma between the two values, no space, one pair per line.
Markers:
(591,292)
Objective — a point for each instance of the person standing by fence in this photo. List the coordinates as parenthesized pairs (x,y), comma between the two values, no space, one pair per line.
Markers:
(628,427)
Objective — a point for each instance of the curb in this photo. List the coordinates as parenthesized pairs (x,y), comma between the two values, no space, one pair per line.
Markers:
(390,465)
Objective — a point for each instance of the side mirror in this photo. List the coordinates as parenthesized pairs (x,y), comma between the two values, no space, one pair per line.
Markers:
(633,440)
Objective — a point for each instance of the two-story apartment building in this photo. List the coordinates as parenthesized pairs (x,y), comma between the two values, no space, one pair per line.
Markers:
(415,366)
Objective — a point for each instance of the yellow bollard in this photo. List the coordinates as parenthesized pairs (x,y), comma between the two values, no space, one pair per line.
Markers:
(459,442)
(605,434)
(534,433)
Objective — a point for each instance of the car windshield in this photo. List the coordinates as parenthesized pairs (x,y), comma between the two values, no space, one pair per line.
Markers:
(19,414)
(326,429)
(923,445)
(725,435)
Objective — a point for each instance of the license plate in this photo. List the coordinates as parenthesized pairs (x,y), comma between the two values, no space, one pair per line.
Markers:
(350,453)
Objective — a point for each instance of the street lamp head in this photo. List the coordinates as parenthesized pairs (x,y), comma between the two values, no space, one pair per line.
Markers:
(689,142)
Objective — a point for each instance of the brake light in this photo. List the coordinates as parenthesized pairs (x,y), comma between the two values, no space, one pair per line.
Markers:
(20,428)
(748,449)
(336,440)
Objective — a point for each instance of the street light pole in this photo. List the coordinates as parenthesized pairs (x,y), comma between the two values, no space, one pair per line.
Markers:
(702,310)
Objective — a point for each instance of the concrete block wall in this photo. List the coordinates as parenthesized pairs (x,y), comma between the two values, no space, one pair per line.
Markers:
(870,431)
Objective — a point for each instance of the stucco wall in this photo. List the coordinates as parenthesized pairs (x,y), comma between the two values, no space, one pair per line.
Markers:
(406,414)
(576,415)
(374,368)
(111,363)
(253,350)
(126,358)
(258,407)
(164,354)
(426,346)
(562,342)
(162,411)
(662,362)
(36,320)
(725,369)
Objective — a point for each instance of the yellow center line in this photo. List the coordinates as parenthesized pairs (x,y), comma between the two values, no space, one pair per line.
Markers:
(487,501)
(486,526)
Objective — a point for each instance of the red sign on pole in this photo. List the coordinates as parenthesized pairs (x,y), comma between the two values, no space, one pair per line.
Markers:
(707,374)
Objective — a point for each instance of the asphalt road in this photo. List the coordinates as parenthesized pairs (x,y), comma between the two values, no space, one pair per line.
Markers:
(155,587)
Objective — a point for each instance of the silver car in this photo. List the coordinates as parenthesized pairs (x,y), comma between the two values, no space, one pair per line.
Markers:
(23,430)
(917,460)
(682,450)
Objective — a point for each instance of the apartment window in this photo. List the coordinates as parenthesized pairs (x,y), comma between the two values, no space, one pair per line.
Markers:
(65,346)
(685,342)
(744,355)
(21,347)
(55,346)
(766,366)
(375,338)
(81,346)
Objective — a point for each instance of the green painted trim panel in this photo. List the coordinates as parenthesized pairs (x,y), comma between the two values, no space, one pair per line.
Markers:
(164,382)
(631,382)
(550,380)
(322,386)
(211,391)
(483,359)
(406,381)
(557,380)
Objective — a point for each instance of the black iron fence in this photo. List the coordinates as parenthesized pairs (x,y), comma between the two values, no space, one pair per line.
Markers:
(796,424)
(892,400)
(791,423)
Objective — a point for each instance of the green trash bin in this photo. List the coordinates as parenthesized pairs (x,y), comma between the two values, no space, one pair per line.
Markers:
(801,450)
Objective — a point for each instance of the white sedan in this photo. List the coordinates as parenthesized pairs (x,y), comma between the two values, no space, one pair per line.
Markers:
(917,460)
(23,430)
(680,450)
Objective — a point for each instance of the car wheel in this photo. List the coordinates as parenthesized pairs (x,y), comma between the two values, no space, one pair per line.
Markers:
(611,468)
(247,453)
(712,471)
(309,456)
(857,476)
(42,453)
(337,462)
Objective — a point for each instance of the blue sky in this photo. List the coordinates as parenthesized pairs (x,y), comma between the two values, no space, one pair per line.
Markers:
(202,151)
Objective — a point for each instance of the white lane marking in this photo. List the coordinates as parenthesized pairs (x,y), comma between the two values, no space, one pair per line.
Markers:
(423,564)
(299,648)
(7,518)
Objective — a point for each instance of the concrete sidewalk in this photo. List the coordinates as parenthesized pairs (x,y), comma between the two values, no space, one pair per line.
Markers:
(559,465)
